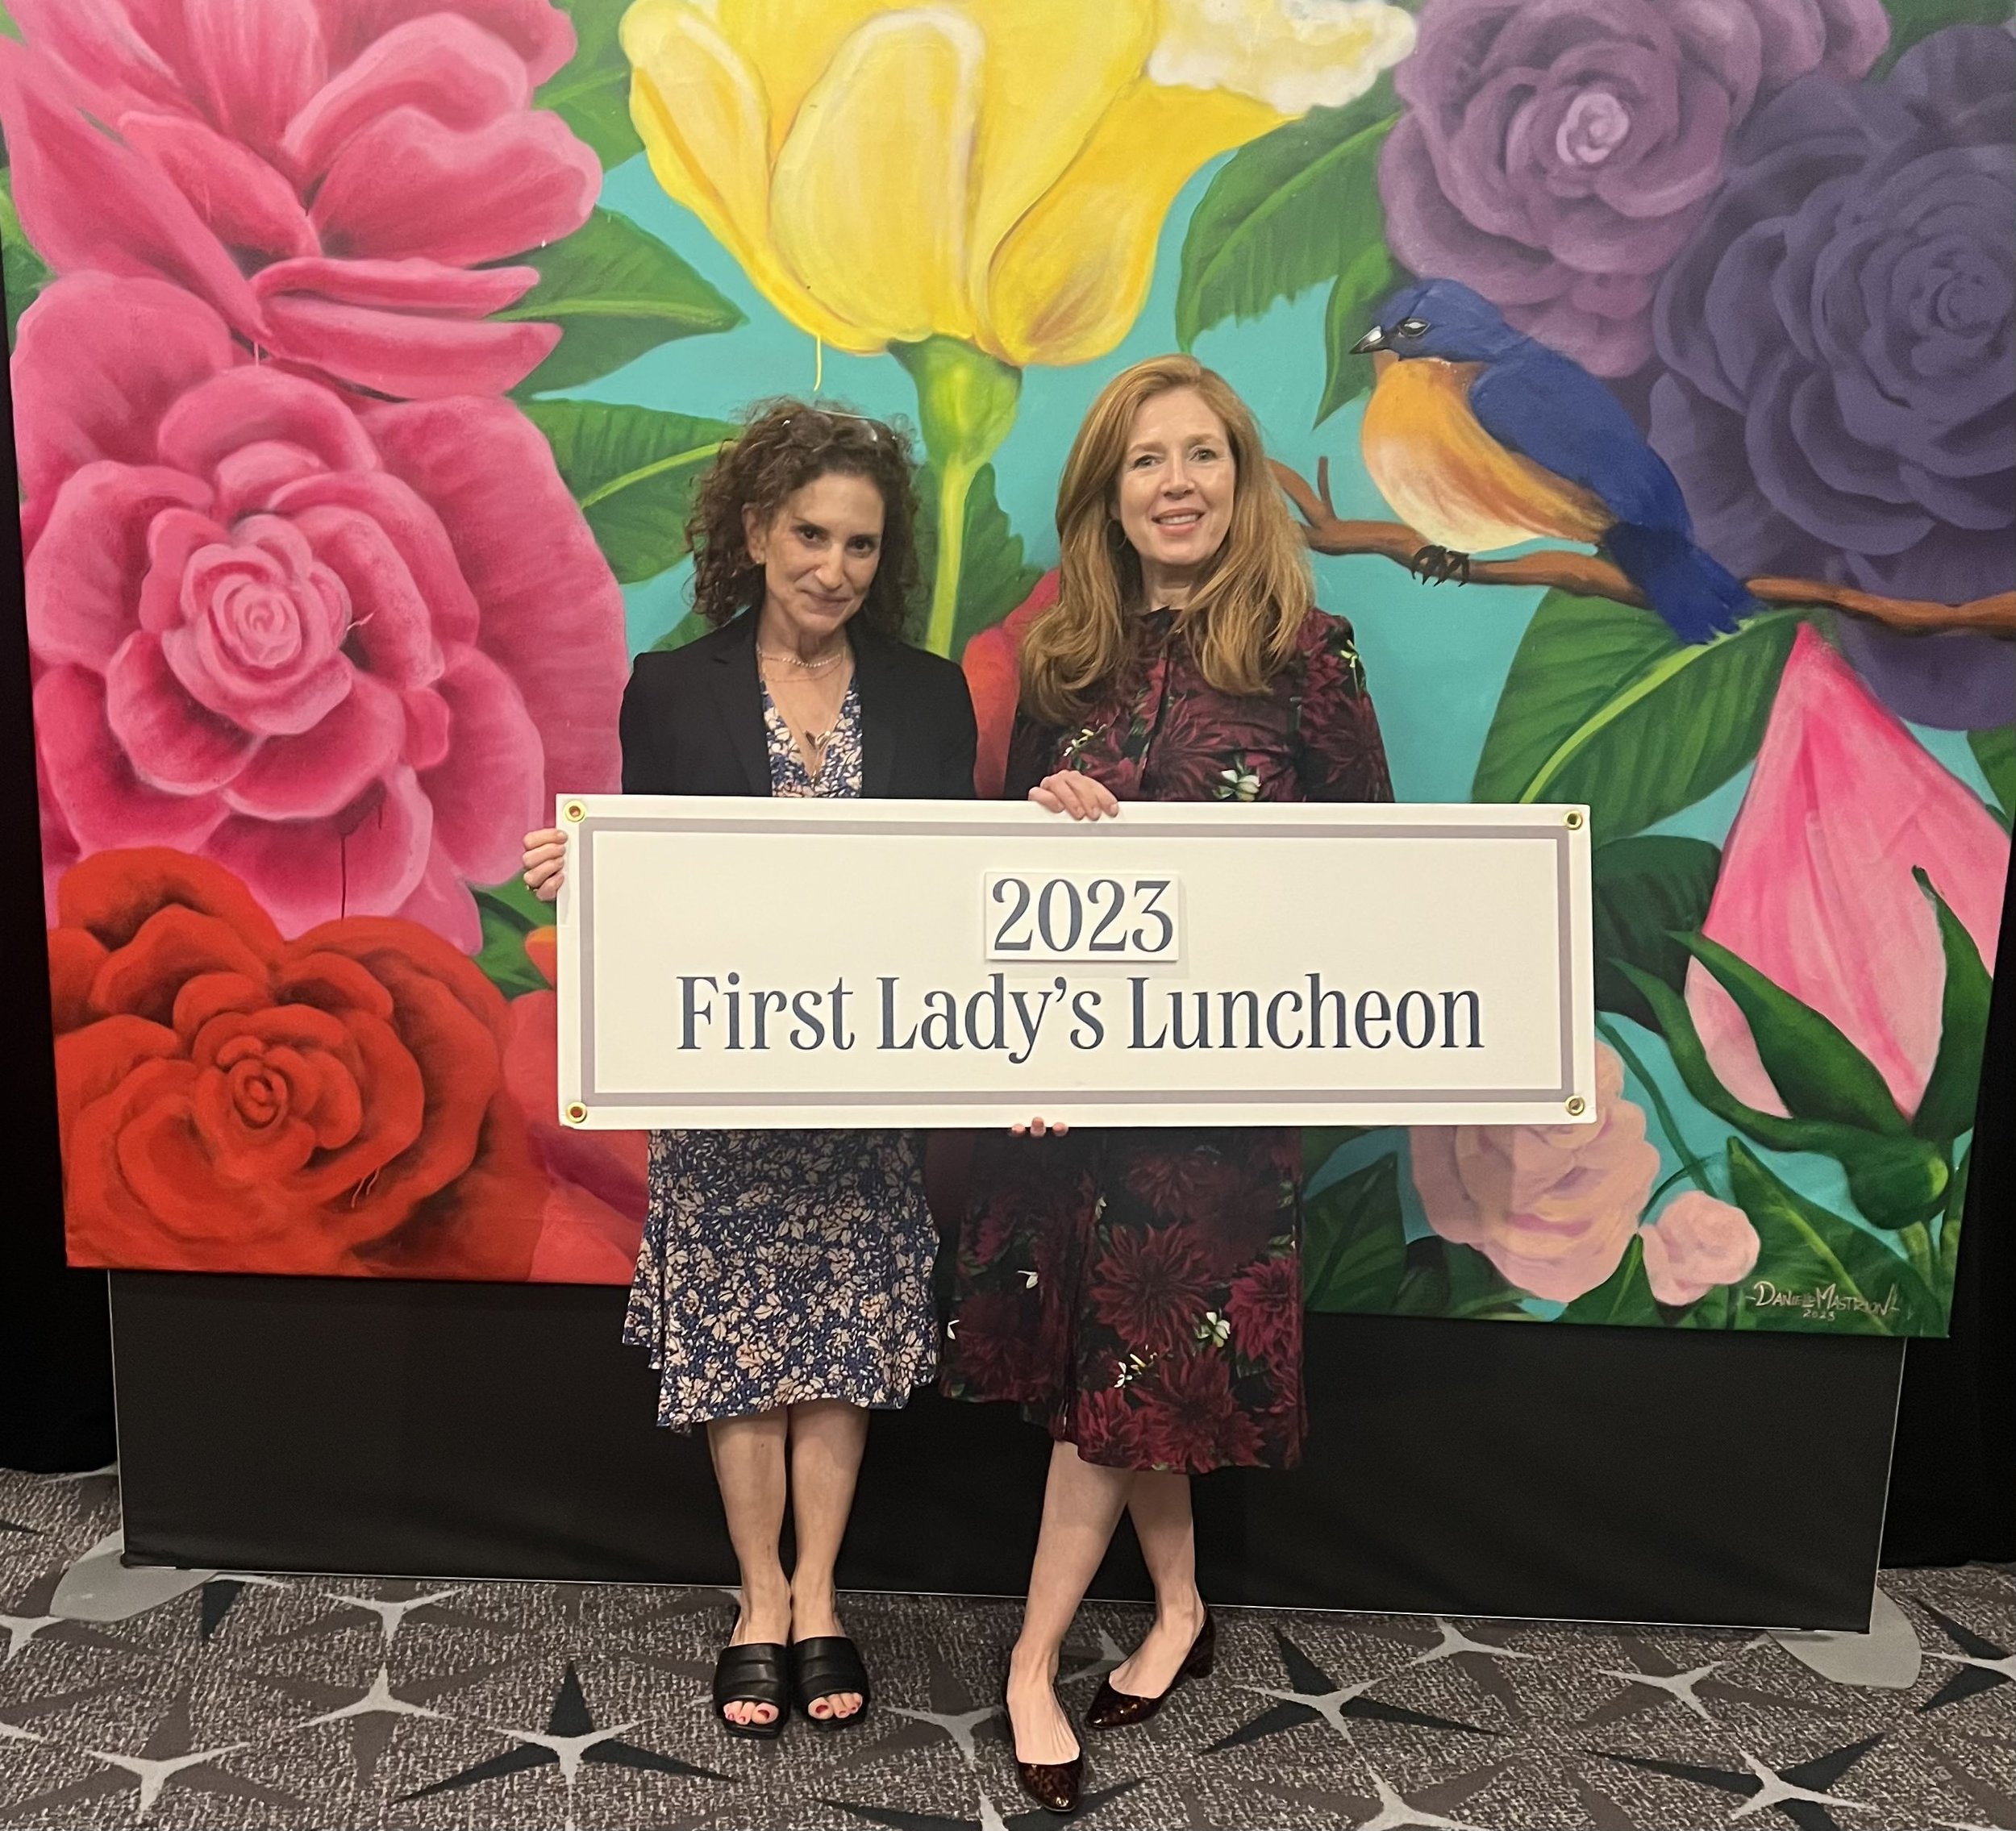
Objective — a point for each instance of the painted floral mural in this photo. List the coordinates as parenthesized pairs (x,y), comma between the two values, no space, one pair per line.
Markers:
(365,354)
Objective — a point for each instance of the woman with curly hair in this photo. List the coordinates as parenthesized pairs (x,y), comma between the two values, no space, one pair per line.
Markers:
(784,1286)
(1138,1292)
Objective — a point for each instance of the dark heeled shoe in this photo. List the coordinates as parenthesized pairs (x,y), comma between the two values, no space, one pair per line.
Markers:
(1054,1785)
(752,1673)
(1114,1710)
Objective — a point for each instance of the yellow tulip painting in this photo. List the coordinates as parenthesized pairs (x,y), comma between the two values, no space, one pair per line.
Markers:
(972,185)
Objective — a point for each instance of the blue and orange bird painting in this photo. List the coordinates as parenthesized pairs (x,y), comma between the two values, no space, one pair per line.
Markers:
(1479,437)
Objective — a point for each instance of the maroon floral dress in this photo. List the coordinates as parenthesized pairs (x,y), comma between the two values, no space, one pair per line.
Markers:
(1138,1291)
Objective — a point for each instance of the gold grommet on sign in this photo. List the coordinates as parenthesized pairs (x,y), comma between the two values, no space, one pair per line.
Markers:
(576,1114)
(576,811)
(1577,1107)
(1574,817)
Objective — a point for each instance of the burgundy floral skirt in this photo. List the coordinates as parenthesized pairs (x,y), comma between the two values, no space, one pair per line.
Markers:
(1138,1292)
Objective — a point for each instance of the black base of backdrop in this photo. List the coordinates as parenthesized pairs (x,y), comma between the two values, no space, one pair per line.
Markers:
(1463,1468)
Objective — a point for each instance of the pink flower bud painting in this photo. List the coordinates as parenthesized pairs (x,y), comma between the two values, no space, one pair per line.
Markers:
(1816,890)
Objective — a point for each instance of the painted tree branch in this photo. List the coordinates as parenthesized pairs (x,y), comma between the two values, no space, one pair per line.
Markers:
(1589,575)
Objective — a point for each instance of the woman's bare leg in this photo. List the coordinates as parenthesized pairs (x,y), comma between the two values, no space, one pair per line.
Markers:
(827,1438)
(748,1468)
(1081,1504)
(1160,1507)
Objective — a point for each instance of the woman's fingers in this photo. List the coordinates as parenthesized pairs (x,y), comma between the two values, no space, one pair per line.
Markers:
(1082,796)
(545,862)
(1037,1127)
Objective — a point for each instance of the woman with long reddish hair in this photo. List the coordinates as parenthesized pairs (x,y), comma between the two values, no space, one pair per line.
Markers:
(1138,1292)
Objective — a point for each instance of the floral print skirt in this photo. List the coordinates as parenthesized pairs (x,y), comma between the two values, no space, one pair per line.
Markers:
(1138,1292)
(779,1267)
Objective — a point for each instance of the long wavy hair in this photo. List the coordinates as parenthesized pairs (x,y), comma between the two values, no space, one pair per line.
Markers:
(784,445)
(1241,619)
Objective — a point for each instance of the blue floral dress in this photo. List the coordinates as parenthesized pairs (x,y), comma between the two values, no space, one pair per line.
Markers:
(779,1267)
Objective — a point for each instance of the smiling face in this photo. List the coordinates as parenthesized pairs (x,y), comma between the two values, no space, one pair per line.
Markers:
(1174,494)
(819,553)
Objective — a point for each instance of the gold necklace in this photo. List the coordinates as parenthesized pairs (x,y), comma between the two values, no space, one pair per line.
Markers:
(818,667)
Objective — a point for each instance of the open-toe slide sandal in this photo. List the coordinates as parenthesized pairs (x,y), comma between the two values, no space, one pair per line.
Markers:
(754,1674)
(825,1666)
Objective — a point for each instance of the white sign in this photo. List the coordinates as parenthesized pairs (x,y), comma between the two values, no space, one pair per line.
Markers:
(747,962)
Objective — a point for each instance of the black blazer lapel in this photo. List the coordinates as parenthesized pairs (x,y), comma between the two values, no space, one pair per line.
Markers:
(874,671)
(739,698)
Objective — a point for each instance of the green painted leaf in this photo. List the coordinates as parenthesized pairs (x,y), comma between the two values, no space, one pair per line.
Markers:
(690,628)
(993,576)
(1296,207)
(1354,1240)
(1444,1279)
(1320,1143)
(23,272)
(634,471)
(1947,1109)
(1367,280)
(1841,1279)
(1624,1299)
(1949,1241)
(506,923)
(1911,20)
(592,94)
(1819,1074)
(1604,704)
(1996,752)
(1896,1181)
(615,291)
(1646,891)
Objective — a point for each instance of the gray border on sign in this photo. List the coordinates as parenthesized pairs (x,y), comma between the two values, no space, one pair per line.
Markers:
(1341,827)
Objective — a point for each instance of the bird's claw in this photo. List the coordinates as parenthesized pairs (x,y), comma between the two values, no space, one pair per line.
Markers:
(1433,564)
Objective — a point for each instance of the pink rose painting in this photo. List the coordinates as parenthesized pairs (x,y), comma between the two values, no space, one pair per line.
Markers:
(347,648)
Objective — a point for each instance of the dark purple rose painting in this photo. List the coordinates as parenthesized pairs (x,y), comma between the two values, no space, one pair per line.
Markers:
(1838,340)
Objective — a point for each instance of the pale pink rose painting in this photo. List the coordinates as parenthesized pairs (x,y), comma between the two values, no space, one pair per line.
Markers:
(1552,1207)
(1696,1243)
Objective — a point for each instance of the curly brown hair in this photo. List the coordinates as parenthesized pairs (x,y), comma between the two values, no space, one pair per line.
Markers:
(784,445)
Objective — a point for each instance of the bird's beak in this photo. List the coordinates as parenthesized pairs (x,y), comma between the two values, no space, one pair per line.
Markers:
(1375,338)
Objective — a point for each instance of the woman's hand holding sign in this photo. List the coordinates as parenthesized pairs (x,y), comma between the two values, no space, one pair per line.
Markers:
(545,862)
(1083,797)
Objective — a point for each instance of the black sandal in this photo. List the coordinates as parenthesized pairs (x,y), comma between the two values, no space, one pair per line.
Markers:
(824,1667)
(752,1674)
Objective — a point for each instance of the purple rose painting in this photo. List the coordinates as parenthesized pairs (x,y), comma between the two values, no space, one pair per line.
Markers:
(1556,154)
(1838,335)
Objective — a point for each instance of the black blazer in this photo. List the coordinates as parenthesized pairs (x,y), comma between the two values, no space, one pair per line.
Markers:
(692,720)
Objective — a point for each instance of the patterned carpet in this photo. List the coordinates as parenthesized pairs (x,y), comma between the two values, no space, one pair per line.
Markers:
(204,1699)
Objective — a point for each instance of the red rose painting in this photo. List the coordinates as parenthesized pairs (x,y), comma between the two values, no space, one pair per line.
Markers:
(234,1101)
